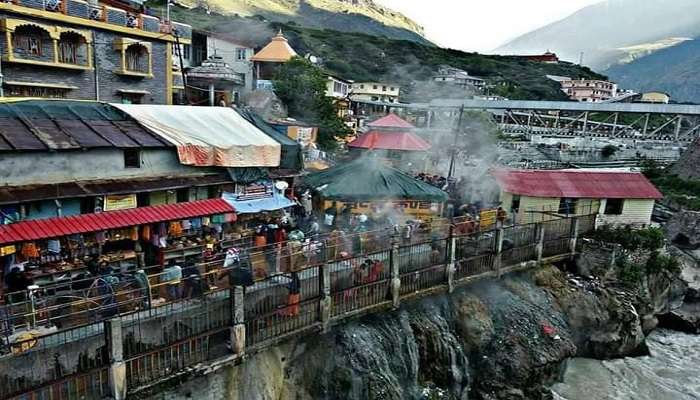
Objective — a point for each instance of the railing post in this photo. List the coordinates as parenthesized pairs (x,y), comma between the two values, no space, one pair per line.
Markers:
(117,366)
(539,249)
(451,262)
(395,274)
(573,236)
(238,328)
(498,258)
(326,300)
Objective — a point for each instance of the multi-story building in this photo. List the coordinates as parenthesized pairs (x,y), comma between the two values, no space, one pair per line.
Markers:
(76,49)
(339,90)
(458,77)
(375,92)
(589,90)
(207,45)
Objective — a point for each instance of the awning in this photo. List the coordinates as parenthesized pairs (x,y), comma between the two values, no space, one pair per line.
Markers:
(208,136)
(65,226)
(276,202)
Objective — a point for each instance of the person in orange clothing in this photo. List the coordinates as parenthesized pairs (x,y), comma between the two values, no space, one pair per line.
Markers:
(294,296)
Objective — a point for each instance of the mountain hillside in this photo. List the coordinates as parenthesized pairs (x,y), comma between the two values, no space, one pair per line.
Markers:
(613,31)
(675,70)
(363,16)
(365,57)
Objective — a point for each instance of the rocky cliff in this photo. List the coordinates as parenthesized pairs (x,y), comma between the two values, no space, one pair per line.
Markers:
(498,339)
(364,16)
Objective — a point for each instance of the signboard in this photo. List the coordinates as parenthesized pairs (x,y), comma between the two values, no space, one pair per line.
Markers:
(119,202)
(408,207)
(254,191)
(487,219)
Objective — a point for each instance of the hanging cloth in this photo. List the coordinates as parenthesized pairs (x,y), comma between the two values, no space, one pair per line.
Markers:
(175,229)
(29,250)
(205,221)
(186,224)
(53,246)
(146,232)
(134,234)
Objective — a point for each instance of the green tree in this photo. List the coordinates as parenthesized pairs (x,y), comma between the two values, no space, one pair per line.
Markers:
(302,88)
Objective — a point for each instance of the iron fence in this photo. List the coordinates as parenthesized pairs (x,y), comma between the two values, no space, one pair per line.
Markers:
(286,319)
(474,266)
(360,297)
(92,385)
(416,281)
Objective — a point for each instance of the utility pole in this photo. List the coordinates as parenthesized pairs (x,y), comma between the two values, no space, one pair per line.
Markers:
(453,153)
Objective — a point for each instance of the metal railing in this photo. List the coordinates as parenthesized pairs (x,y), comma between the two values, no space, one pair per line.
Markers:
(345,278)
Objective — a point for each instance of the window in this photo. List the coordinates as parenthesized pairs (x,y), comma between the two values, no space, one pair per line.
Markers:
(137,58)
(375,87)
(383,88)
(186,51)
(143,199)
(29,40)
(132,158)
(362,86)
(391,88)
(183,195)
(88,205)
(375,98)
(132,98)
(567,206)
(614,206)
(515,203)
(72,49)
(241,54)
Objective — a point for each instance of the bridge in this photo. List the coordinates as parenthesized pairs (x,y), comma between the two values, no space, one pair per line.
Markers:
(642,121)
(127,350)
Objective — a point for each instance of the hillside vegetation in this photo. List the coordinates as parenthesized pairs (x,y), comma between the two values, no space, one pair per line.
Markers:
(364,57)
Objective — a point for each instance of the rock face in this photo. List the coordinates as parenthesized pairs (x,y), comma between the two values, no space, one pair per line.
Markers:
(498,339)
(684,229)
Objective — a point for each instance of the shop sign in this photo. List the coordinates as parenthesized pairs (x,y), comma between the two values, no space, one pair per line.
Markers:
(254,191)
(119,202)
(487,218)
(7,250)
(410,207)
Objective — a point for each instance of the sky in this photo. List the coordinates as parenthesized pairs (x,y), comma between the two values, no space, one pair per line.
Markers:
(483,25)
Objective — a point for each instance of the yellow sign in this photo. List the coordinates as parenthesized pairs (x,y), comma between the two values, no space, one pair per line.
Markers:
(120,202)
(408,207)
(487,219)
(7,250)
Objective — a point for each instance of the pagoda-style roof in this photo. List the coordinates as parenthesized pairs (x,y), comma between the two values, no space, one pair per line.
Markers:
(391,121)
(277,51)
(215,69)
(401,141)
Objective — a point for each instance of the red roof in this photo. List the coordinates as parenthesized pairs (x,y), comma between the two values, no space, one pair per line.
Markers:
(406,141)
(64,226)
(391,121)
(577,184)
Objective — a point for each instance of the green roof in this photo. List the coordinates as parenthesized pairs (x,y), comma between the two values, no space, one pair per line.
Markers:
(368,179)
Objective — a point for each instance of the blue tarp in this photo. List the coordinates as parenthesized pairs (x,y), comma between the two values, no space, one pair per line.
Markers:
(276,202)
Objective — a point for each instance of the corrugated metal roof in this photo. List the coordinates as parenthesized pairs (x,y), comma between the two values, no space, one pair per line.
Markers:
(27,193)
(391,121)
(405,141)
(67,125)
(64,226)
(577,184)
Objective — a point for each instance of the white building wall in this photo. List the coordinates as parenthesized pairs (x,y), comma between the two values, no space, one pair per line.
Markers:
(236,56)
(635,212)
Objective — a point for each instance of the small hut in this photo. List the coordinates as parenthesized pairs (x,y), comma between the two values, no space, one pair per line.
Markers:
(369,186)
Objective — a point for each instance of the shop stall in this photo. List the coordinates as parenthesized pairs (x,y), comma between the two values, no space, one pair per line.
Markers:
(62,250)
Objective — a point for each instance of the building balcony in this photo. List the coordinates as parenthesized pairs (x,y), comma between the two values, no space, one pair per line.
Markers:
(101,13)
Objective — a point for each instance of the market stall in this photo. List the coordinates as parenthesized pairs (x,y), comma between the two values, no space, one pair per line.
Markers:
(61,250)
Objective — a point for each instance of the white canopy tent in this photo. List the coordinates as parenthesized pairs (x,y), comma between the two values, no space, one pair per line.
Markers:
(208,136)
